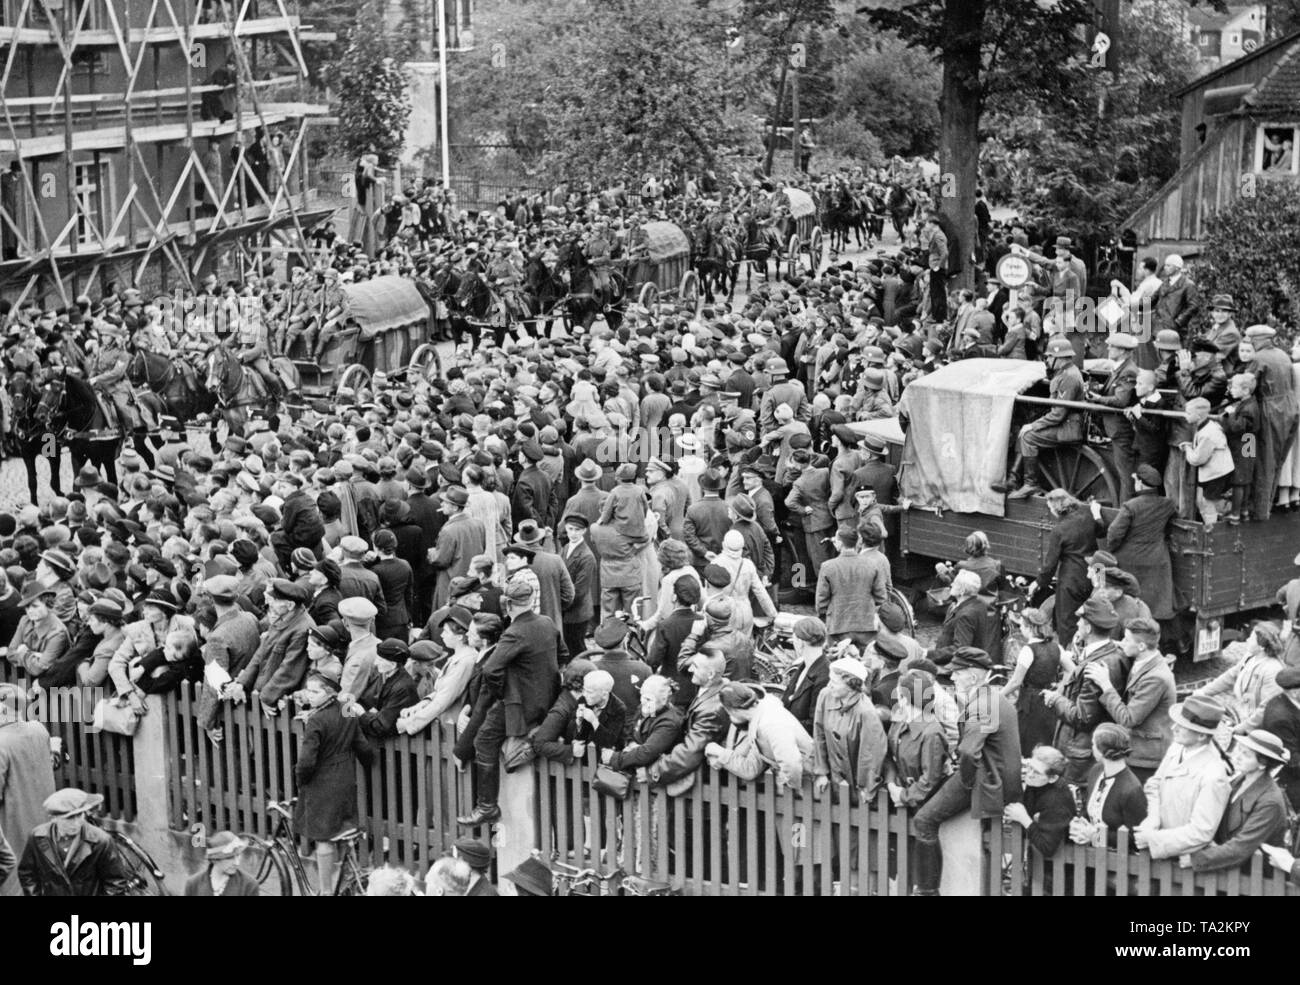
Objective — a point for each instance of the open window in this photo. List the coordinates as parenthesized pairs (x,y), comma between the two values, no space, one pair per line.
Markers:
(1277,148)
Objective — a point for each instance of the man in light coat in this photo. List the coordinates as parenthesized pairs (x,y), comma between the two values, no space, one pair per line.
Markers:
(762,734)
(26,776)
(1189,793)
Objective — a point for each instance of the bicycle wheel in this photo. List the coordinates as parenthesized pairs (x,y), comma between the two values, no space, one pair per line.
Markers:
(144,878)
(264,863)
(352,879)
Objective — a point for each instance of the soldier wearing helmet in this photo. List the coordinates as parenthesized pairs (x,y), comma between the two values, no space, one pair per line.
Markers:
(1059,426)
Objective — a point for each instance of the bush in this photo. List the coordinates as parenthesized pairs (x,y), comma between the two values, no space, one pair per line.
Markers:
(849,138)
(1253,253)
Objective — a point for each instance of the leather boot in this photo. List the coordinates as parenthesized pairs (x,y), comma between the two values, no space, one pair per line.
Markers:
(1012,479)
(486,810)
(927,867)
(1030,487)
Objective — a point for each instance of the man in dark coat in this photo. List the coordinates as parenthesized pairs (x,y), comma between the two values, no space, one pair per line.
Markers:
(1069,542)
(670,633)
(740,382)
(301,524)
(580,563)
(478,857)
(1138,538)
(707,521)
(1120,391)
(326,775)
(1078,704)
(988,763)
(968,622)
(706,721)
(1282,718)
(810,674)
(531,499)
(1279,413)
(424,513)
(628,672)
(520,678)
(67,856)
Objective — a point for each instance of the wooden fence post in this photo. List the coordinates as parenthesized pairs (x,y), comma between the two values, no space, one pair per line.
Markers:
(516,834)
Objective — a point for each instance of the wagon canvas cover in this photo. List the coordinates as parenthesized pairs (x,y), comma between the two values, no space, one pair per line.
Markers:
(663,241)
(800,202)
(383,304)
(956,445)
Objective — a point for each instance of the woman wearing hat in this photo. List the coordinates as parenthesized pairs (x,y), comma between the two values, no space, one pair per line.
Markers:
(849,740)
(1257,810)
(1038,668)
(1249,684)
(158,616)
(222,876)
(450,686)
(104,618)
(41,637)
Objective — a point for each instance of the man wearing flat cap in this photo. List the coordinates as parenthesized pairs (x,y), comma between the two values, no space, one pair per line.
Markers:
(519,680)
(355,579)
(229,646)
(279,665)
(68,856)
(460,539)
(987,777)
(1120,392)
(1138,538)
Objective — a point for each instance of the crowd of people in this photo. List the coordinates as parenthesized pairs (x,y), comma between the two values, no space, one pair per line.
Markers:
(501,549)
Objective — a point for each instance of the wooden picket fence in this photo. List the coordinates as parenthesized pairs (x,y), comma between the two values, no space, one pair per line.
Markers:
(94,761)
(723,837)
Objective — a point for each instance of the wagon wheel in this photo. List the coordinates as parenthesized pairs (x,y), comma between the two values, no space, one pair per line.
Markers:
(1080,471)
(815,250)
(354,377)
(689,292)
(649,296)
(426,364)
(900,600)
(792,249)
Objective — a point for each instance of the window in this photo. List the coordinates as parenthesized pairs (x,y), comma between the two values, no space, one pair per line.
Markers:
(90,185)
(1275,148)
(1208,42)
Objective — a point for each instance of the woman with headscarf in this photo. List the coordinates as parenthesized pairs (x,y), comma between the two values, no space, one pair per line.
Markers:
(745,583)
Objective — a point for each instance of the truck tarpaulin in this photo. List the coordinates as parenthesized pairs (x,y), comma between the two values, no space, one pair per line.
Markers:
(958,431)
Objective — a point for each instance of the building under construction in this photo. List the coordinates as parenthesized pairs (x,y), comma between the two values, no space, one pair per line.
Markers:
(149,142)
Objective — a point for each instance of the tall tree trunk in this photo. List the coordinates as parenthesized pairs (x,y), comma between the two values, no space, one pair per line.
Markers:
(959,110)
(777,110)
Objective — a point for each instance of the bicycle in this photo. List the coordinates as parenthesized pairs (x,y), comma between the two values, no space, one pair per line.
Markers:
(572,880)
(276,866)
(144,878)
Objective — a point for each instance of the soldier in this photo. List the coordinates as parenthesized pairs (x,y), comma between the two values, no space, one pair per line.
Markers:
(108,374)
(506,278)
(249,342)
(329,307)
(600,249)
(1059,426)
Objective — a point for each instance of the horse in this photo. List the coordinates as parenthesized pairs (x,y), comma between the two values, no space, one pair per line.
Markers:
(587,298)
(32,437)
(70,409)
(481,306)
(172,381)
(719,261)
(761,243)
(901,205)
(440,291)
(843,215)
(545,289)
(237,387)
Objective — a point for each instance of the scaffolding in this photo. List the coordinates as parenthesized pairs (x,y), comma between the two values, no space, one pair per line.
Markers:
(176,208)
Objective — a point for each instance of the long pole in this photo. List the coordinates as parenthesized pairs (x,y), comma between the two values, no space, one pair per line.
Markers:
(794,123)
(443,137)
(1081,405)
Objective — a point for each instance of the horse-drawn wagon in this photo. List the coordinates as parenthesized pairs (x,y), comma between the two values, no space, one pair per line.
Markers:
(958,442)
(659,264)
(800,229)
(386,326)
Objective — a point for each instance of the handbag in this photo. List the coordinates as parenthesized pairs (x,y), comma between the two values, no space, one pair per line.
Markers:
(517,752)
(681,785)
(117,716)
(612,783)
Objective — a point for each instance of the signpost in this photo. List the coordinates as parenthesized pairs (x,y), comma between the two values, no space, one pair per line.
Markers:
(1015,272)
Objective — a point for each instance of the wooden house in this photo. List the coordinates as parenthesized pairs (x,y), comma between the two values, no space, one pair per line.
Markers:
(1240,127)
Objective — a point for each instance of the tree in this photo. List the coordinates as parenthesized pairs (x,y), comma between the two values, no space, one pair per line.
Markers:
(640,86)
(1252,252)
(374,102)
(985,47)
(781,24)
(887,87)
(1086,172)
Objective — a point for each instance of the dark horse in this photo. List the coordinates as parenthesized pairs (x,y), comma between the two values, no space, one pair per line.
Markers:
(588,298)
(844,214)
(762,245)
(237,387)
(177,388)
(480,307)
(439,290)
(33,437)
(545,290)
(70,409)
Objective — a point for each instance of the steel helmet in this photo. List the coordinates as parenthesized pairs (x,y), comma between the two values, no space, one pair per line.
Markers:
(1060,348)
(1168,340)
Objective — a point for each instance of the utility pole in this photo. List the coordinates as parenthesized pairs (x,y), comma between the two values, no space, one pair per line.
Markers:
(442,93)
(797,61)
